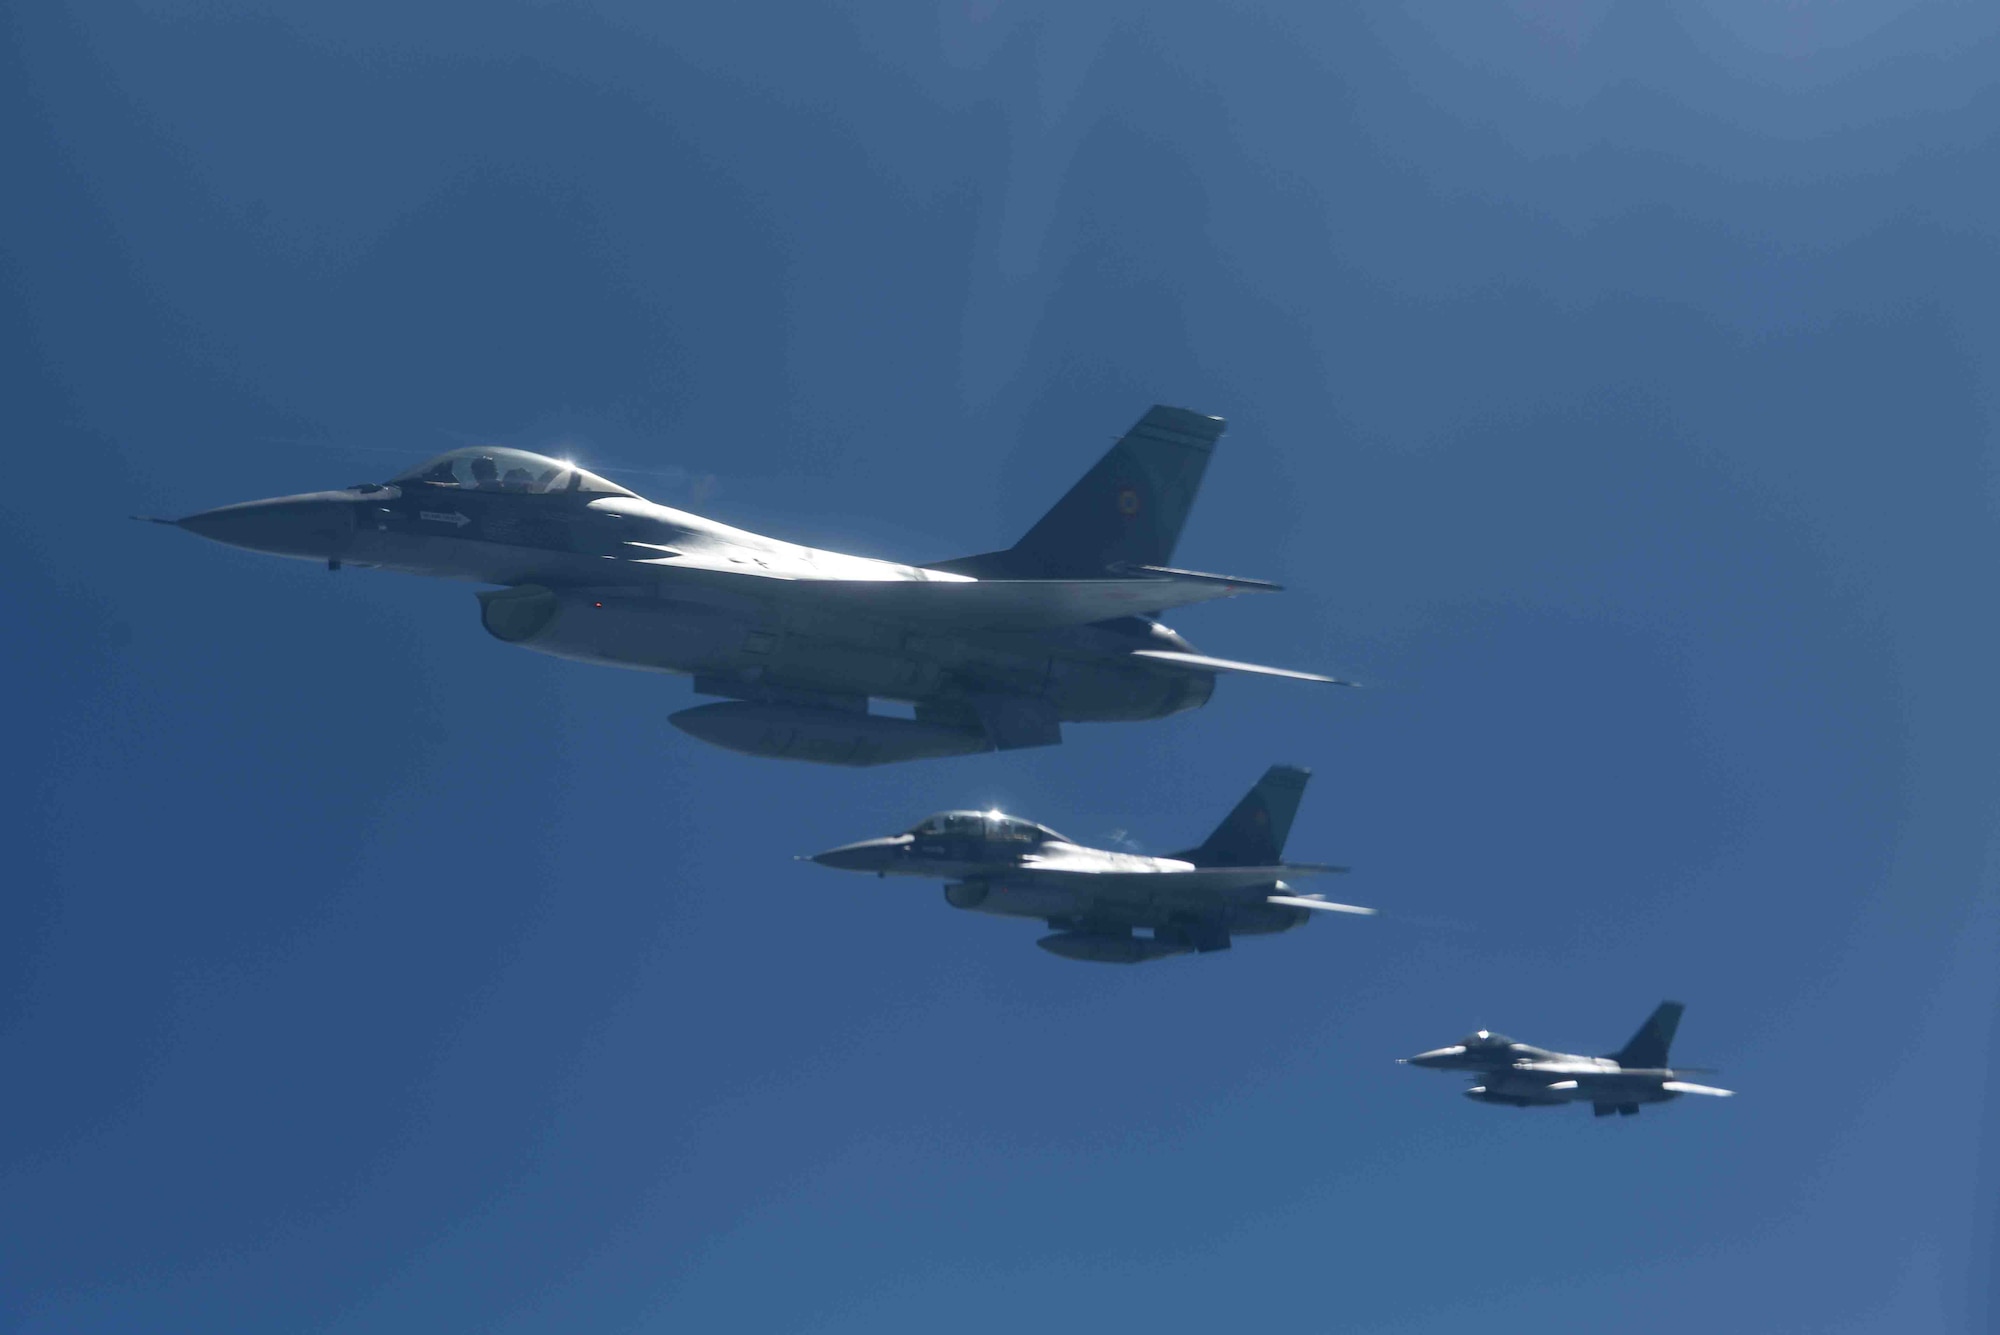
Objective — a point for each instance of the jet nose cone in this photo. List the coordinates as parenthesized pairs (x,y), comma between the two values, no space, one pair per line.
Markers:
(868,855)
(1436,1057)
(318,525)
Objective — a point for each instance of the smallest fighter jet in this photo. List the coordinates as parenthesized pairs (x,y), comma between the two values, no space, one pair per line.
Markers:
(1095,899)
(1523,1076)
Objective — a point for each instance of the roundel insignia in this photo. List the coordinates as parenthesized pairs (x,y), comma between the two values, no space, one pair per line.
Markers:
(1128,500)
(1261,816)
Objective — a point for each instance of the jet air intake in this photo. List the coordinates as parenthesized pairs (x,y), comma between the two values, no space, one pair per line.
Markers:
(645,633)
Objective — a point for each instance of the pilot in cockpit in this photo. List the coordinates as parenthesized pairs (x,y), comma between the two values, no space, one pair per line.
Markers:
(986,827)
(479,469)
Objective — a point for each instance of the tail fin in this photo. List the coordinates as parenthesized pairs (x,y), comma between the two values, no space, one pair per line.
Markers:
(1127,511)
(1253,835)
(1648,1048)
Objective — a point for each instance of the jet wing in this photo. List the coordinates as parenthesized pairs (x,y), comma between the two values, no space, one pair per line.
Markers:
(1198,880)
(993,604)
(1010,604)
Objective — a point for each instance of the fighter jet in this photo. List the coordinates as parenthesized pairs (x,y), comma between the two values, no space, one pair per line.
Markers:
(1094,898)
(993,651)
(1523,1076)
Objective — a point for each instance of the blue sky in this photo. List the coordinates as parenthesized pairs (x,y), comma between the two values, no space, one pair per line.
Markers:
(1612,385)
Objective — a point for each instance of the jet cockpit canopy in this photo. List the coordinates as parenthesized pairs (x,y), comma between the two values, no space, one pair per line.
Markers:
(496,468)
(989,827)
(1485,1038)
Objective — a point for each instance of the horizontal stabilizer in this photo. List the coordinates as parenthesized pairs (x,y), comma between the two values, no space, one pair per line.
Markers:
(1202,662)
(1170,572)
(1683,1087)
(1319,905)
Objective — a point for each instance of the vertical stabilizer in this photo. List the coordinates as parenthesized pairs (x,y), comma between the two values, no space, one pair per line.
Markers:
(1127,511)
(1253,835)
(1648,1048)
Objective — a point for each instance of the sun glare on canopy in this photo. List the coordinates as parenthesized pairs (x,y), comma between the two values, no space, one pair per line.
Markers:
(988,825)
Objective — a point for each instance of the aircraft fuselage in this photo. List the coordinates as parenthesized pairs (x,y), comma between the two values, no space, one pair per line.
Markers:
(608,579)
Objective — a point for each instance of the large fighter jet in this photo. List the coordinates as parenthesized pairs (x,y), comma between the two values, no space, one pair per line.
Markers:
(1523,1076)
(1232,885)
(994,651)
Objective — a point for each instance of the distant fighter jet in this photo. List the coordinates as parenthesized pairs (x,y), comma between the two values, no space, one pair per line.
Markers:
(994,651)
(1523,1076)
(1194,901)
